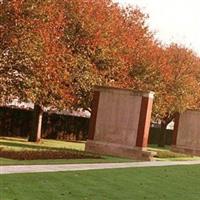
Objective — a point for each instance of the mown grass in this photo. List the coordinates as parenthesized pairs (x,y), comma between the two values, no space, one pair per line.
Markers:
(19,144)
(157,183)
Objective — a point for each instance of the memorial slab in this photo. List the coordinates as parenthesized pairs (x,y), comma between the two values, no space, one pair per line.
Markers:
(187,133)
(120,123)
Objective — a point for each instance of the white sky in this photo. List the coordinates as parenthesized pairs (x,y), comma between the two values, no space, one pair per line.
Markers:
(172,20)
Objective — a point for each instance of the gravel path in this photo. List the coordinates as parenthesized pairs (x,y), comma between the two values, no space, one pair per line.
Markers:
(79,167)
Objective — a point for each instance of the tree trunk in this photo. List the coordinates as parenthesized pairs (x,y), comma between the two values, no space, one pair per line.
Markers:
(37,124)
(162,136)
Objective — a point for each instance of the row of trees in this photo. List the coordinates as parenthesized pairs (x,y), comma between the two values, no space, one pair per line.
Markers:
(52,53)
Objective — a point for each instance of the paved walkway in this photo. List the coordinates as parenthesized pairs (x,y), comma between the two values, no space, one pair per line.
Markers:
(79,167)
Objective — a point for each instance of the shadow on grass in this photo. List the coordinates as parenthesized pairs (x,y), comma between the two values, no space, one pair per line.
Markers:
(14,139)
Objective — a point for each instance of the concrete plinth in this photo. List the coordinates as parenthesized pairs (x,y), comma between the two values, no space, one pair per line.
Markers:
(186,150)
(118,150)
(120,122)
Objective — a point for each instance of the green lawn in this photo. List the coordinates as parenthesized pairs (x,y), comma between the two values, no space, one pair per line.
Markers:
(19,144)
(158,183)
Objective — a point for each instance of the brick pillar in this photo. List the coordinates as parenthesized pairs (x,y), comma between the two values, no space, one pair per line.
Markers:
(144,121)
(92,123)
(175,132)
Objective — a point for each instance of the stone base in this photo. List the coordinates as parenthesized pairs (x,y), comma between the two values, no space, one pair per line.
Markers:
(118,150)
(186,150)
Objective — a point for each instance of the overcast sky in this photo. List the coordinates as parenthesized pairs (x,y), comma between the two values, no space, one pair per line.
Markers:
(173,20)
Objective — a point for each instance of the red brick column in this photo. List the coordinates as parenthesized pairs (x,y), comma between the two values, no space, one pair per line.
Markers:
(175,133)
(92,124)
(144,121)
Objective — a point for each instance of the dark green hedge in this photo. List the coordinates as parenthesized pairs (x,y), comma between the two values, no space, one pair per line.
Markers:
(154,136)
(18,122)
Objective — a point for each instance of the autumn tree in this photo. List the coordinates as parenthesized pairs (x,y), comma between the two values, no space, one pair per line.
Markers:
(172,73)
(181,89)
(53,52)
(32,56)
(107,39)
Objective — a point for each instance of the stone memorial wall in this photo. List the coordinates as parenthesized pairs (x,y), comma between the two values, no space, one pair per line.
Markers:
(187,133)
(120,123)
